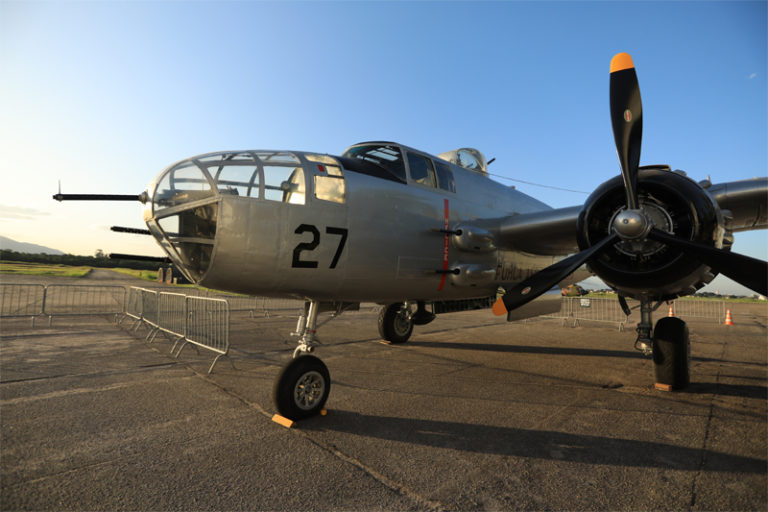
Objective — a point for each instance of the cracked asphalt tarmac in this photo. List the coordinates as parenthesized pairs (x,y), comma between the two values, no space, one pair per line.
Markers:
(471,414)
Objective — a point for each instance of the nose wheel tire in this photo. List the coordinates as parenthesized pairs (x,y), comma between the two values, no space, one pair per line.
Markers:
(671,353)
(302,387)
(395,323)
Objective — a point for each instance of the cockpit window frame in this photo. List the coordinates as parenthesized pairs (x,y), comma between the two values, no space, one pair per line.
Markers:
(390,169)
(446,180)
(430,177)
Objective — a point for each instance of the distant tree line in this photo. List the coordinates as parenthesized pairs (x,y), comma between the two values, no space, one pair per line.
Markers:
(78,261)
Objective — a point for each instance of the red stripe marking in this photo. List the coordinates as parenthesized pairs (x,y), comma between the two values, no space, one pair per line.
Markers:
(446,241)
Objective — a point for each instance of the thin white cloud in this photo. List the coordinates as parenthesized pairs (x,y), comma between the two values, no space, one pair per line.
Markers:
(20,213)
(752,75)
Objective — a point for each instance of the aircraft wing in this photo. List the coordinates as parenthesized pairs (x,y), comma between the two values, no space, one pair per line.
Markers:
(744,205)
(549,232)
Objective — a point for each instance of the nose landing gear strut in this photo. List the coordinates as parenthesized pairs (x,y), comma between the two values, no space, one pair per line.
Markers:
(303,385)
(669,343)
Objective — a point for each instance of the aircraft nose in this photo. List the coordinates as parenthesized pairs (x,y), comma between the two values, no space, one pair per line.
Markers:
(182,214)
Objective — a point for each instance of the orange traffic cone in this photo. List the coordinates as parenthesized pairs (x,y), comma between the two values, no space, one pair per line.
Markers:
(728,317)
(671,310)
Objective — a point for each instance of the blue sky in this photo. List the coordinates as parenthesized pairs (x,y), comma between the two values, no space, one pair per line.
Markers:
(103,95)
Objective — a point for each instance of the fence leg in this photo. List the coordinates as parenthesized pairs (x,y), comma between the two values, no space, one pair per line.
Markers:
(180,349)
(176,341)
(216,359)
(150,338)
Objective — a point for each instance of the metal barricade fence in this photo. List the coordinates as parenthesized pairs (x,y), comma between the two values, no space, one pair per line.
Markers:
(70,300)
(201,321)
(602,309)
(149,310)
(207,326)
(282,306)
(172,314)
(564,313)
(133,305)
(254,304)
(236,302)
(693,308)
(596,310)
(22,300)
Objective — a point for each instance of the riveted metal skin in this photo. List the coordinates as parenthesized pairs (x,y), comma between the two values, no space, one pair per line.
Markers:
(385,242)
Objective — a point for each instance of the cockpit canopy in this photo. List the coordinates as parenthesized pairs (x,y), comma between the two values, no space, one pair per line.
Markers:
(468,158)
(379,159)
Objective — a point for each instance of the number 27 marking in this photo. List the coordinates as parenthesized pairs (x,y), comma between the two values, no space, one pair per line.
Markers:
(312,245)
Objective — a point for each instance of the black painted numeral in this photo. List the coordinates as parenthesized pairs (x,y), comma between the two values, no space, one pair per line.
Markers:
(312,245)
(343,240)
(305,246)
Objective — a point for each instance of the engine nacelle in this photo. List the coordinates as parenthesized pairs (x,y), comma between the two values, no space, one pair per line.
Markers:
(645,268)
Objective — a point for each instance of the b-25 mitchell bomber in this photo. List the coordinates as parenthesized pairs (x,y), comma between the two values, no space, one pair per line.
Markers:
(387,223)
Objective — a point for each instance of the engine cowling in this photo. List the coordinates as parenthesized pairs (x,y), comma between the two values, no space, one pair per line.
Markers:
(644,268)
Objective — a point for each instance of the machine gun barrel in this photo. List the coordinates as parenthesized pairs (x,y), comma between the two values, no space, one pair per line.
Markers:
(100,197)
(137,257)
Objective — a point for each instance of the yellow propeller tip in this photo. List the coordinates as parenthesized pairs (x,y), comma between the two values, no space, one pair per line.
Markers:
(621,61)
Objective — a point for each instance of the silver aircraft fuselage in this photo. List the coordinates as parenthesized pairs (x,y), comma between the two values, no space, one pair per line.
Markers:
(299,224)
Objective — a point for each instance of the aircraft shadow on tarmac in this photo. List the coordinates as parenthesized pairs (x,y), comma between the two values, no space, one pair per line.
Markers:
(523,349)
(743,390)
(747,391)
(563,351)
(538,444)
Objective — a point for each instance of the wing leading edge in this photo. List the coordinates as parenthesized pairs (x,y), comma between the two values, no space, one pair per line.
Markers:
(744,205)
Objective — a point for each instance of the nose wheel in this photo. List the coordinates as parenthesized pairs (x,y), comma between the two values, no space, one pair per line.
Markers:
(669,344)
(303,385)
(671,354)
(302,388)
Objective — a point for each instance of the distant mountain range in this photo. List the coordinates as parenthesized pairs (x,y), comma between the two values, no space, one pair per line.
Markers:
(12,245)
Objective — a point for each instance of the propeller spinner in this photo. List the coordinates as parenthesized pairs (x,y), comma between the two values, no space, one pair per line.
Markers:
(633,223)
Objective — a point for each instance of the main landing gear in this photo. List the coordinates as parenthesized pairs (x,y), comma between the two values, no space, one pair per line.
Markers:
(396,321)
(670,345)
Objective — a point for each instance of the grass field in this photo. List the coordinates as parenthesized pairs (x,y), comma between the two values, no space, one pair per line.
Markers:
(596,295)
(148,275)
(47,269)
(41,269)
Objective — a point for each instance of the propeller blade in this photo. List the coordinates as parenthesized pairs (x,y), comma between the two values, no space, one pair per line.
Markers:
(627,119)
(545,279)
(750,272)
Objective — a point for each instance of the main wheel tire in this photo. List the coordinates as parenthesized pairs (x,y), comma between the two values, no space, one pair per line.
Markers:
(301,388)
(671,353)
(395,324)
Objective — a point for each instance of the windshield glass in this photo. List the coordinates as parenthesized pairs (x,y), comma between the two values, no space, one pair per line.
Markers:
(385,156)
